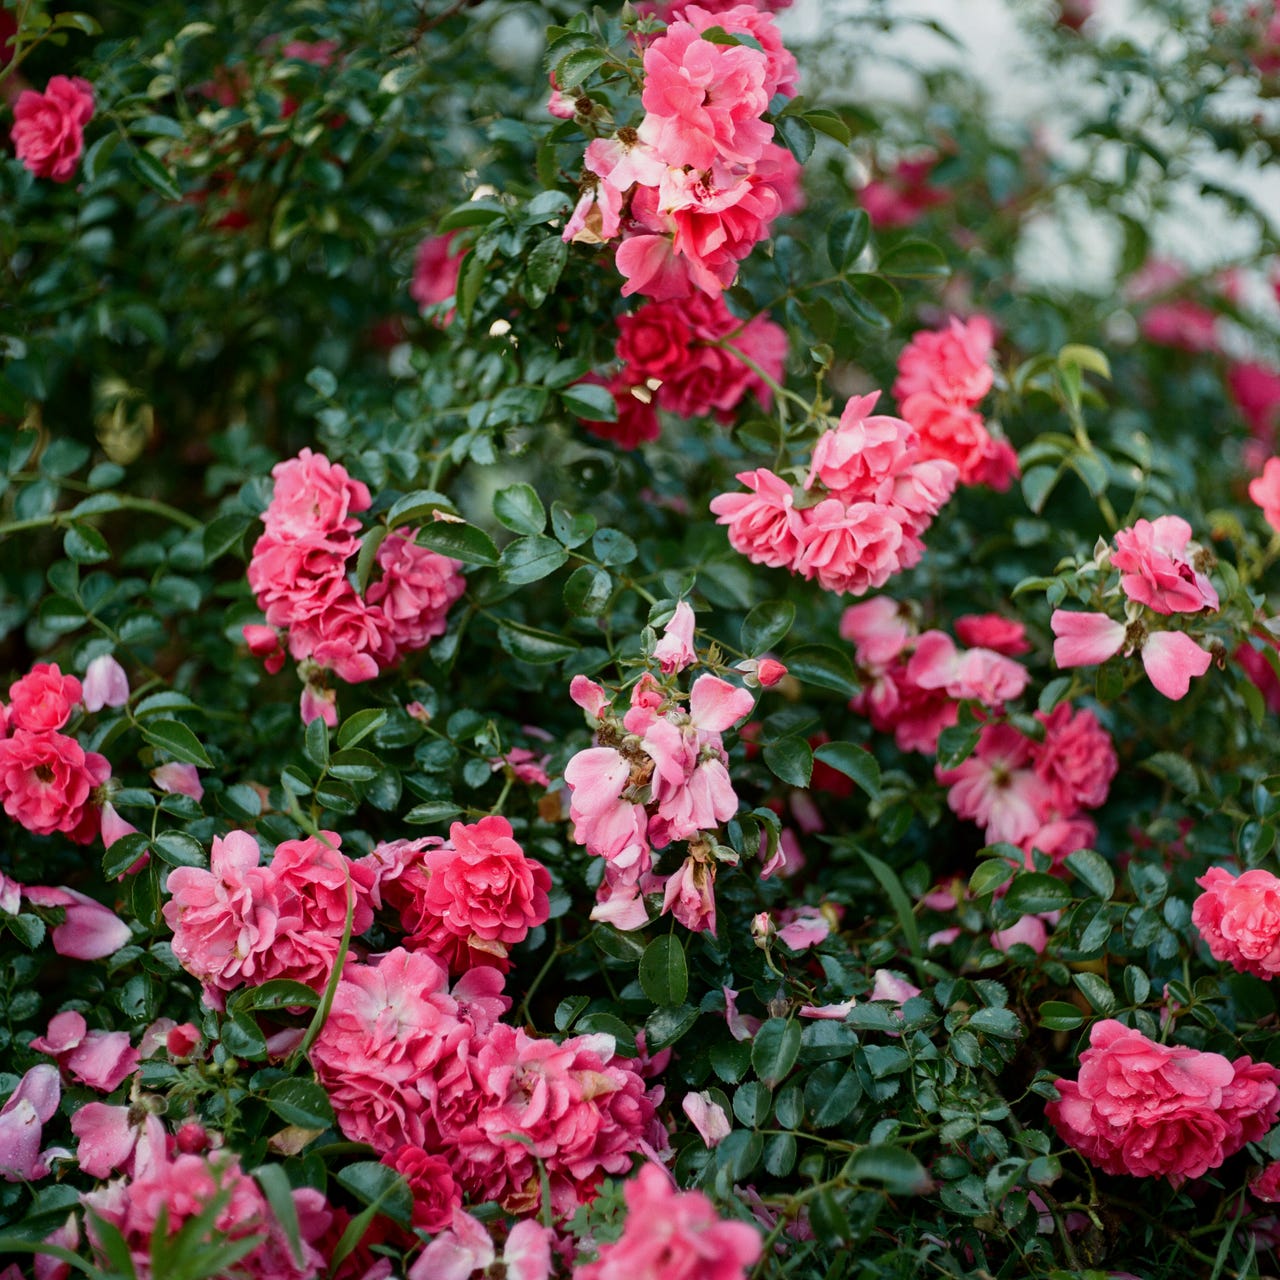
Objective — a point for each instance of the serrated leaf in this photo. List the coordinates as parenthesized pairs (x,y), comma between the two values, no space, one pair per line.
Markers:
(1092,870)
(530,559)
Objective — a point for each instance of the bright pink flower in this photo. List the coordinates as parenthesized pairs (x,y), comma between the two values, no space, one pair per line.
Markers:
(1181,323)
(879,628)
(89,931)
(763,525)
(1157,569)
(435,1194)
(589,696)
(1085,639)
(1265,491)
(29,1107)
(903,195)
(1256,390)
(707,1117)
(484,891)
(105,684)
(176,1189)
(952,364)
(1239,918)
(48,127)
(560,104)
(675,649)
(415,592)
(952,432)
(704,101)
(99,1059)
(1266,1183)
(992,631)
(1076,758)
(314,496)
(751,20)
(1153,1110)
(264,643)
(1170,658)
(854,461)
(42,700)
(673,1235)
(47,781)
(850,549)
(179,779)
(435,274)
(114,827)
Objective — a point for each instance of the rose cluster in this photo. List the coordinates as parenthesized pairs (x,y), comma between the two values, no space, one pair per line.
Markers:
(1239,917)
(656,776)
(410,1064)
(298,572)
(859,516)
(48,781)
(942,376)
(684,356)
(1158,1110)
(1162,572)
(695,187)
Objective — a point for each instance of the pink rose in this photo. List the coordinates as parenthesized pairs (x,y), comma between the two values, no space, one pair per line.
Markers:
(47,781)
(1158,568)
(430,1179)
(952,364)
(48,127)
(416,590)
(950,431)
(1153,1110)
(1076,758)
(42,699)
(1239,919)
(1265,491)
(435,273)
(763,525)
(992,631)
(105,684)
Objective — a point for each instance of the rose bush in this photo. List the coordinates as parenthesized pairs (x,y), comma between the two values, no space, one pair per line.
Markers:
(601,679)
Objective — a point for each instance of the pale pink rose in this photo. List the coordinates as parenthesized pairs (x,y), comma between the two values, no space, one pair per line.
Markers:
(715,705)
(754,21)
(99,1059)
(48,127)
(670,1233)
(1153,1110)
(525,765)
(28,1108)
(1059,837)
(708,1117)
(978,674)
(43,699)
(763,524)
(1181,323)
(830,1012)
(1076,758)
(997,787)
(47,783)
(690,896)
(589,696)
(1029,930)
(850,549)
(179,779)
(1085,639)
(952,364)
(1171,659)
(892,986)
(992,631)
(435,274)
(105,684)
(1157,567)
(314,496)
(880,629)
(1239,919)
(675,649)
(603,821)
(704,101)
(741,1026)
(559,104)
(1265,491)
(89,930)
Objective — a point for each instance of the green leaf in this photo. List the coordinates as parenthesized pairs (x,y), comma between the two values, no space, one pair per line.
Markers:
(766,625)
(315,744)
(153,174)
(791,760)
(359,726)
(1057,1015)
(568,1011)
(1033,892)
(301,1102)
(665,1026)
(611,1025)
(613,547)
(587,592)
(1037,484)
(530,559)
(847,237)
(821,665)
(223,534)
(123,853)
(531,645)
(174,737)
(418,507)
(242,1039)
(797,136)
(575,67)
(664,973)
(367,558)
(828,122)
(519,508)
(374,1183)
(988,876)
(1096,992)
(892,886)
(1092,871)
(854,762)
(543,269)
(279,993)
(915,260)
(432,812)
(589,401)
(179,849)
(1002,1023)
(774,1050)
(830,1094)
(470,278)
(460,541)
(28,929)
(892,1168)
(572,529)
(85,545)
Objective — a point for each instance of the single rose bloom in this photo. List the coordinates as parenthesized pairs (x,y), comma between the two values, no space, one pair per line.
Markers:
(47,781)
(48,127)
(1239,919)
(42,699)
